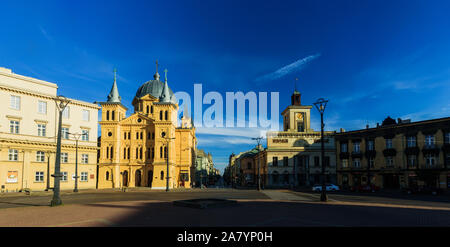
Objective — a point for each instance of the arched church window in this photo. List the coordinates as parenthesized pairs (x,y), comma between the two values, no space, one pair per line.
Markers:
(107,175)
(124,153)
(165,152)
(151,109)
(161,152)
(137,153)
(160,115)
(141,136)
(113,113)
(165,115)
(162,175)
(111,152)
(107,115)
(107,152)
(147,109)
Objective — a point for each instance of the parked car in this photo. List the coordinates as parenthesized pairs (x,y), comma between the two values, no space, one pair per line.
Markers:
(423,190)
(328,187)
(365,188)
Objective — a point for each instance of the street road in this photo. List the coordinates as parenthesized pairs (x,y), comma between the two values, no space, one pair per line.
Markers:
(265,208)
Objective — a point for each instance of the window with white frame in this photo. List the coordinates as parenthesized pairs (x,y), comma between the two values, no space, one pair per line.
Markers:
(357,163)
(64,157)
(42,107)
(430,160)
(64,176)
(85,135)
(411,141)
(388,143)
(344,163)
(343,147)
(84,177)
(39,177)
(412,160)
(15,102)
(389,161)
(84,159)
(370,145)
(13,155)
(65,133)
(14,126)
(42,130)
(86,114)
(356,146)
(66,112)
(371,162)
(40,156)
(429,141)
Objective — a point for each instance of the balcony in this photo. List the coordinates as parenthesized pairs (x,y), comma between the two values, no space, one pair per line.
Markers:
(430,149)
(371,153)
(357,154)
(431,167)
(412,151)
(344,155)
(389,152)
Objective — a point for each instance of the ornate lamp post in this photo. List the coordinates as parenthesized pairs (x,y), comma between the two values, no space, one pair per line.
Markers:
(61,103)
(258,141)
(163,135)
(320,105)
(77,138)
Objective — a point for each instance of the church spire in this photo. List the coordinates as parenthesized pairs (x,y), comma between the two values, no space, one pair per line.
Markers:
(156,76)
(165,96)
(113,96)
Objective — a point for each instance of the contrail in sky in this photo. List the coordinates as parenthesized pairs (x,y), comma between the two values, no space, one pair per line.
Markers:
(293,67)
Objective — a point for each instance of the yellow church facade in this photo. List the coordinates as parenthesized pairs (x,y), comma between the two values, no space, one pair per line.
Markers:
(147,148)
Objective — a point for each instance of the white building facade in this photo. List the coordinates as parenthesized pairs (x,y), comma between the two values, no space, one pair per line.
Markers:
(28,134)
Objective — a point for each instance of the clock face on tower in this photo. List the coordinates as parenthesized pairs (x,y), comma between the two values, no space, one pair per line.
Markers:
(299,116)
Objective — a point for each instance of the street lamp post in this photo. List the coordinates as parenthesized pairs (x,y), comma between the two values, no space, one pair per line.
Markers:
(320,105)
(61,103)
(163,135)
(77,138)
(258,141)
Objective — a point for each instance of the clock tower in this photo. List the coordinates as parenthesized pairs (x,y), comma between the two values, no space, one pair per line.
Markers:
(296,117)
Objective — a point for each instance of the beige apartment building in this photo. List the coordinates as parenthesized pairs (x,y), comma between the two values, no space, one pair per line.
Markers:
(28,133)
(396,155)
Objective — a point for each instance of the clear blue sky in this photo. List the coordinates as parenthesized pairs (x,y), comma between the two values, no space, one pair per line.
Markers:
(377,58)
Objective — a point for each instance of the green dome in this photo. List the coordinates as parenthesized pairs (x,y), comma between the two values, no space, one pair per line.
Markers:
(154,88)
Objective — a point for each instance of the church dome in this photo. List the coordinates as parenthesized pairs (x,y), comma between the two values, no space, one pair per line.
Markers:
(154,88)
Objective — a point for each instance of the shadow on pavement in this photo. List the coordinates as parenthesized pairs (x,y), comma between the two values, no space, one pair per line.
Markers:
(278,214)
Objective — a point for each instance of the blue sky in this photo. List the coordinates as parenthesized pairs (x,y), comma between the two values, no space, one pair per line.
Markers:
(374,58)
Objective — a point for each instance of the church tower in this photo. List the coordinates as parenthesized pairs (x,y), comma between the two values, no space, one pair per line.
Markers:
(296,117)
(112,113)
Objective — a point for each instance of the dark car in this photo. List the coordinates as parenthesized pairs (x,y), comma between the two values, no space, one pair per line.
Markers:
(365,188)
(423,190)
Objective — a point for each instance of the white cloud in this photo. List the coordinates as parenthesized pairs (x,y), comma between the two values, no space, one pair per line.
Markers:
(293,67)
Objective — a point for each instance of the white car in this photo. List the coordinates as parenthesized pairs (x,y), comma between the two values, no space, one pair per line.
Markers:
(329,187)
